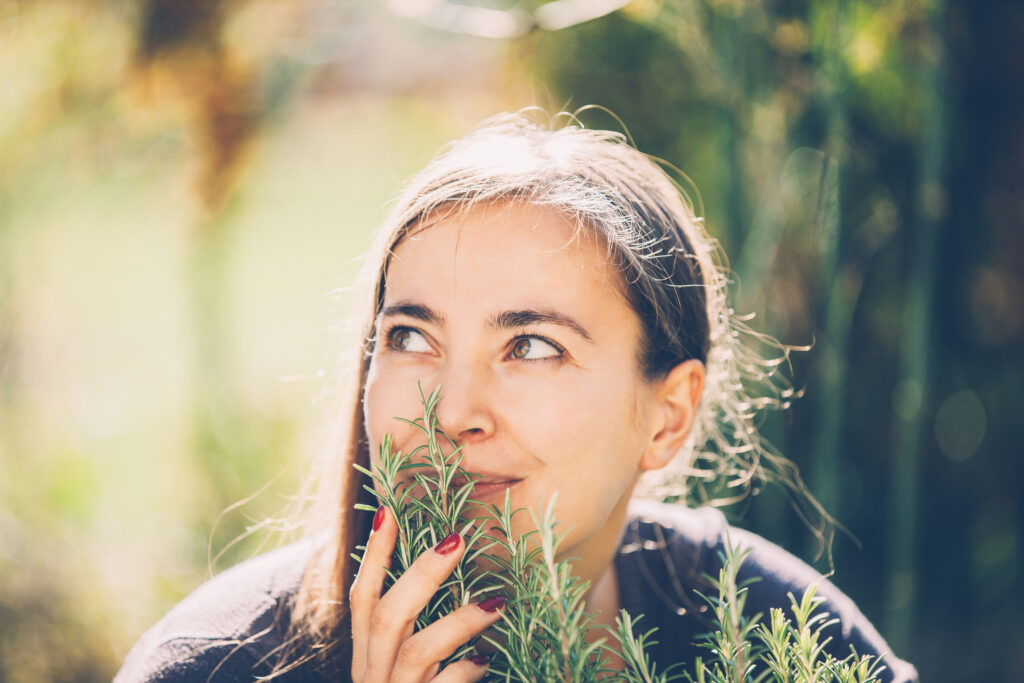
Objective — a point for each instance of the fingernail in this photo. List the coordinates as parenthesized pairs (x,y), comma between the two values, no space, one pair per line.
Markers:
(480,660)
(450,543)
(378,518)
(492,604)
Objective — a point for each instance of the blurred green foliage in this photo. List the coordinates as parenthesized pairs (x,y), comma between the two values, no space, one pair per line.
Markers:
(857,159)
(182,185)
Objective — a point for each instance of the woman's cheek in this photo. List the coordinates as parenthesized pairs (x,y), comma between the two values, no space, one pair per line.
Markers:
(379,403)
(548,401)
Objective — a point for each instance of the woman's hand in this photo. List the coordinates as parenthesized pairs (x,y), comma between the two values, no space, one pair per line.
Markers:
(384,647)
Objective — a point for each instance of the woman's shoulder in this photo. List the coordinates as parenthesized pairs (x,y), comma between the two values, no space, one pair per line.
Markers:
(670,549)
(228,629)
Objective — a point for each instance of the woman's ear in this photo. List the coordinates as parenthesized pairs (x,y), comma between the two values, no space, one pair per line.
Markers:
(678,395)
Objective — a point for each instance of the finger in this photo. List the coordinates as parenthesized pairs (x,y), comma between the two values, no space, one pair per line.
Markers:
(367,586)
(472,669)
(396,611)
(421,652)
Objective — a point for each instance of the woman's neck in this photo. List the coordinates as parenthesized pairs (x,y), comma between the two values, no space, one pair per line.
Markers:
(602,601)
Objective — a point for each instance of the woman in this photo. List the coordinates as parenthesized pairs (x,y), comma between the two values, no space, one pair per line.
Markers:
(558,288)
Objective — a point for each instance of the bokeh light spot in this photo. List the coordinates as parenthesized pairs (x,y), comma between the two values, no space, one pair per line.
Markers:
(906,398)
(960,425)
(997,305)
(995,548)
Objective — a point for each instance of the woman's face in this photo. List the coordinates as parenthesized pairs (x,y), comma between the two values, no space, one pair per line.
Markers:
(535,349)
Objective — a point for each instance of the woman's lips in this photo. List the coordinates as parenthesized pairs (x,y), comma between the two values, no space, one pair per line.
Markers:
(485,487)
(484,490)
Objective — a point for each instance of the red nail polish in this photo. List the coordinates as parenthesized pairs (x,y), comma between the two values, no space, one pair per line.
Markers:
(450,543)
(492,604)
(378,518)
(480,660)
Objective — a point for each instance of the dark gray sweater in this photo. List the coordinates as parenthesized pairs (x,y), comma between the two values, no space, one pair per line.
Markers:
(232,628)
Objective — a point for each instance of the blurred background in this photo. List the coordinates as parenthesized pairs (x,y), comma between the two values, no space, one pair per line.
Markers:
(186,187)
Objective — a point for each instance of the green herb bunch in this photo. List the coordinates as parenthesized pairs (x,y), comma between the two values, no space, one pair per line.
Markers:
(425,519)
(545,633)
(745,650)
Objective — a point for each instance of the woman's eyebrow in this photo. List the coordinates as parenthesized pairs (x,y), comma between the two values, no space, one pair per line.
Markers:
(521,318)
(417,311)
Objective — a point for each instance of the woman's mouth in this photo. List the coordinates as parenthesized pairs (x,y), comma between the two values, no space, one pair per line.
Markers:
(484,490)
(487,487)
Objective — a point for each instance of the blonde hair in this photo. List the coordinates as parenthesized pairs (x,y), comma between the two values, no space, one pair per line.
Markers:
(673,276)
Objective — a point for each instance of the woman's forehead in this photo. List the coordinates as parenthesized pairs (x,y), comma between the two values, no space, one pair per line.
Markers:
(507,239)
(503,254)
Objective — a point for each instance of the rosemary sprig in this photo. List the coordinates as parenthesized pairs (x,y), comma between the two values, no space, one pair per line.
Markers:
(745,650)
(545,633)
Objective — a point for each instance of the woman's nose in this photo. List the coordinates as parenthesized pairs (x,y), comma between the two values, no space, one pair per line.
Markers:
(465,412)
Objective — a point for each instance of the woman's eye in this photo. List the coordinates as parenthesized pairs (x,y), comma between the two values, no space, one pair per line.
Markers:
(534,348)
(408,340)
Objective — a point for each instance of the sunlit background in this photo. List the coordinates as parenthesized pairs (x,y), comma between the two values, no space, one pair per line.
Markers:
(186,187)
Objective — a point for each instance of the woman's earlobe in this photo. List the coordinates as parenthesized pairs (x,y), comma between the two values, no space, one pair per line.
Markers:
(678,395)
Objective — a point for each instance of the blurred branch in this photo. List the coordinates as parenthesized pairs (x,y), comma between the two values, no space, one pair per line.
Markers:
(180,41)
(183,55)
(170,25)
(515,22)
(919,305)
